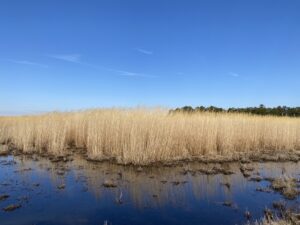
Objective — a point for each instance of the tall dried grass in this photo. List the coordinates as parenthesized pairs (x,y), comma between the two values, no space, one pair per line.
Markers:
(143,136)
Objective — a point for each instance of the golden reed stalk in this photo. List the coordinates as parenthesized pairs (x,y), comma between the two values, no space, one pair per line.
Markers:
(143,136)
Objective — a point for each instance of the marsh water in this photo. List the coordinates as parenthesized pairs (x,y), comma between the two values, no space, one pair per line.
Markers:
(73,193)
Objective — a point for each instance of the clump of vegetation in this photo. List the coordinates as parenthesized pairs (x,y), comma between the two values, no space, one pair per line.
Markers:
(145,136)
(288,217)
(286,186)
(109,184)
(261,110)
(273,222)
(11,207)
(281,215)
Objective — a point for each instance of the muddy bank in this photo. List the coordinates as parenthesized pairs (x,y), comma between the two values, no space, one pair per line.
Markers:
(242,157)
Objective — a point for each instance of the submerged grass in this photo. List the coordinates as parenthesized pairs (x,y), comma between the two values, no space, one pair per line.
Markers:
(143,136)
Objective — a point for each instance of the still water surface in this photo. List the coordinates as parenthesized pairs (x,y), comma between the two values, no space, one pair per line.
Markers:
(73,193)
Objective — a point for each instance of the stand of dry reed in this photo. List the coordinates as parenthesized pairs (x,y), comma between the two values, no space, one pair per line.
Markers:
(143,136)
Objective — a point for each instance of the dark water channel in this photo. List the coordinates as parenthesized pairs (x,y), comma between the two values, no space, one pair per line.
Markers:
(73,193)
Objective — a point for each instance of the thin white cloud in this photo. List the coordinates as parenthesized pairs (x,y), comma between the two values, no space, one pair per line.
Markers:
(74,58)
(234,74)
(144,51)
(131,74)
(29,63)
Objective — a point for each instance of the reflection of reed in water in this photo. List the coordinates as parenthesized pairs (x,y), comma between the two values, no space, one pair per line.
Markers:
(274,169)
(156,187)
(153,186)
(26,165)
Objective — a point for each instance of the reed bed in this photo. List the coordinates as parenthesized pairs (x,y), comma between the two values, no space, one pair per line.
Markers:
(144,136)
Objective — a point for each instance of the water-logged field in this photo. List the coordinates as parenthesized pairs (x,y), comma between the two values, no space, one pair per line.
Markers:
(39,191)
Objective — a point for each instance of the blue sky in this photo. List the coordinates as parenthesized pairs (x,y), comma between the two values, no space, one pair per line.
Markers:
(64,55)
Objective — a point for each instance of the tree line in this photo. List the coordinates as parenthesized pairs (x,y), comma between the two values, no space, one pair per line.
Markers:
(260,110)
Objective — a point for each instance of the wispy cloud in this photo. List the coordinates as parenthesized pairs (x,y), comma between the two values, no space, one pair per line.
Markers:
(234,74)
(131,74)
(74,58)
(144,51)
(29,63)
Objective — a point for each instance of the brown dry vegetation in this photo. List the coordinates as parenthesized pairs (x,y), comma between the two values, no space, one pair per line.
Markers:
(274,222)
(143,136)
